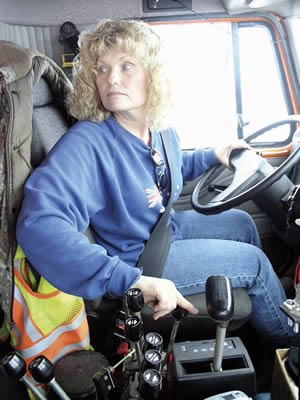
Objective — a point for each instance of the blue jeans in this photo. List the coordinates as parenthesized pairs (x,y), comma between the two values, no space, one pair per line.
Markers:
(228,244)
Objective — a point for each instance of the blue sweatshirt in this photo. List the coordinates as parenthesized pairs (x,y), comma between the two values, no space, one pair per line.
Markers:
(98,174)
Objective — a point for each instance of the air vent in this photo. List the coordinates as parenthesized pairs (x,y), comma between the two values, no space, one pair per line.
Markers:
(166,5)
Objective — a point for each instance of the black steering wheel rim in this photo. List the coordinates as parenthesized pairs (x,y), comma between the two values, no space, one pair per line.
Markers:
(214,207)
(290,119)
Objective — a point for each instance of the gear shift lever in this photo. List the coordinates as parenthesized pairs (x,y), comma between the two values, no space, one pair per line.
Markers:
(179,314)
(42,371)
(220,306)
(14,365)
(133,324)
(135,300)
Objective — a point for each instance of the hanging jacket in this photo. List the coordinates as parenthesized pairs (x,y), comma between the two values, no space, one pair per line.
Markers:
(20,70)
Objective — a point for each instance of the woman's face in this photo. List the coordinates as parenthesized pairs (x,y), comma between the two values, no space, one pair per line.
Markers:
(122,84)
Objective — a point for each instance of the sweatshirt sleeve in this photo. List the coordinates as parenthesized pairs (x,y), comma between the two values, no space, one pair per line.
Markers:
(194,163)
(59,198)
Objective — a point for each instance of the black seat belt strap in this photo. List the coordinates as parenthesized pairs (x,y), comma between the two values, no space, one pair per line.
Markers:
(69,38)
(157,248)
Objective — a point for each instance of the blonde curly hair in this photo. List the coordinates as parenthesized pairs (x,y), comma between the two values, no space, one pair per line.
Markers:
(137,39)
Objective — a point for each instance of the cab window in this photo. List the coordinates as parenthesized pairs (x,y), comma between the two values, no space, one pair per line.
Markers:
(230,78)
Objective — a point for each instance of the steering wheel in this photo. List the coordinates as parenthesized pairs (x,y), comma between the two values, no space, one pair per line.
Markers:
(252,175)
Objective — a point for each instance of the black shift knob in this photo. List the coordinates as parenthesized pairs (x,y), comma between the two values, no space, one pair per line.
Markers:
(219,298)
(133,329)
(41,369)
(151,384)
(153,341)
(135,299)
(179,313)
(14,365)
(152,359)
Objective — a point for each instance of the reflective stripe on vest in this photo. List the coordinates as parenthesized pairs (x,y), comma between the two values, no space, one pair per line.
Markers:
(30,329)
(40,327)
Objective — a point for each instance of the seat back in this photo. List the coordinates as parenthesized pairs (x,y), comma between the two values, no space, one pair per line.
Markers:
(49,123)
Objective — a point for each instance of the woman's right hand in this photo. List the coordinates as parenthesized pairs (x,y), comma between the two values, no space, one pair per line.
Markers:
(162,296)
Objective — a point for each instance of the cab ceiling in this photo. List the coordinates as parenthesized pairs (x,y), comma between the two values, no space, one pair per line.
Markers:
(55,12)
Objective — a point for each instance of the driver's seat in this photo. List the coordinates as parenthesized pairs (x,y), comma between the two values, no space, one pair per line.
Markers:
(30,129)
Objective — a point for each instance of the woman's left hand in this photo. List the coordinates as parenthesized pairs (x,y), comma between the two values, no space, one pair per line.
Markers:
(223,153)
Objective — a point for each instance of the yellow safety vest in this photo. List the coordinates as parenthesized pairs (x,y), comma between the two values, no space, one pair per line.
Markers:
(47,321)
(4,332)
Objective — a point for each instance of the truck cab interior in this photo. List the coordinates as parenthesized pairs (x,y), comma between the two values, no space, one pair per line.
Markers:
(237,67)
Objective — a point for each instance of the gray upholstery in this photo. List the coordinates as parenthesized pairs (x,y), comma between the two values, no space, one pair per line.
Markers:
(48,122)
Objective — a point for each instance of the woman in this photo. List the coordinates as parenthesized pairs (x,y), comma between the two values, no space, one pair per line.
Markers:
(102,173)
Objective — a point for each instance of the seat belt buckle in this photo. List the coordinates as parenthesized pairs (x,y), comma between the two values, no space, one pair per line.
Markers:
(67,60)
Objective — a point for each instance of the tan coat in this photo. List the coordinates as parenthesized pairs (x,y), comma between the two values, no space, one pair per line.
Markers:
(20,70)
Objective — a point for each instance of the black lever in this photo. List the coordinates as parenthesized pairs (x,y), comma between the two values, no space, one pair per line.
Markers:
(14,365)
(135,300)
(151,384)
(152,360)
(133,324)
(179,314)
(216,188)
(220,307)
(134,333)
(42,371)
(219,299)
(133,328)
(153,341)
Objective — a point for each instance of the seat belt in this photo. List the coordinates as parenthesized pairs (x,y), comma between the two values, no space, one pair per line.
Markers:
(154,256)
(69,38)
(156,250)
(157,247)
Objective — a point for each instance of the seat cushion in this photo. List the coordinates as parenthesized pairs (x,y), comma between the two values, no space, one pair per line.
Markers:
(200,326)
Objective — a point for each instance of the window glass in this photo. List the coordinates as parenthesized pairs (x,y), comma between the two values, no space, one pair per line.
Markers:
(262,96)
(201,61)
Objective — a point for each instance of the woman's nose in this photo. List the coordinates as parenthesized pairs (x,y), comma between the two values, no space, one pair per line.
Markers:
(114,77)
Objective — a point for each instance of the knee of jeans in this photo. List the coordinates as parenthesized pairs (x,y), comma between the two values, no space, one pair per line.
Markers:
(266,272)
(254,238)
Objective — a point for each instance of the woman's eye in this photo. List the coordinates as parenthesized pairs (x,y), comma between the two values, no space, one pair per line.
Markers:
(127,67)
(102,69)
